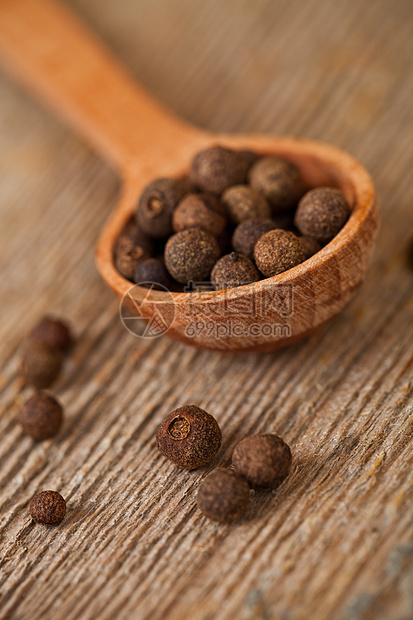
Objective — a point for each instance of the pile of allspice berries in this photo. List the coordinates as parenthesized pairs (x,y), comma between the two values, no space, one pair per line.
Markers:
(191,437)
(237,217)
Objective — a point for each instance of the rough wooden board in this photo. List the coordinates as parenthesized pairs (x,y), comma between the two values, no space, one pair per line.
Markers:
(337,540)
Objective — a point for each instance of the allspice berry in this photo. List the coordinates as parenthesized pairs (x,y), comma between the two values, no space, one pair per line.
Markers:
(216,168)
(132,231)
(40,364)
(53,332)
(152,271)
(189,437)
(248,232)
(191,254)
(156,206)
(310,246)
(200,211)
(234,270)
(41,416)
(321,213)
(127,256)
(277,251)
(223,495)
(47,508)
(264,460)
(243,203)
(279,181)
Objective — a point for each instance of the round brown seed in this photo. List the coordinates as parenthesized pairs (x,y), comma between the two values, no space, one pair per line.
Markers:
(264,460)
(41,416)
(53,332)
(321,213)
(156,206)
(234,270)
(243,203)
(151,271)
(247,234)
(134,233)
(223,495)
(189,437)
(47,508)
(127,256)
(191,254)
(216,168)
(277,251)
(310,246)
(40,364)
(279,181)
(199,211)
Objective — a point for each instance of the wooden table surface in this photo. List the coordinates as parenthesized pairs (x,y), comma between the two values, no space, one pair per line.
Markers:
(336,540)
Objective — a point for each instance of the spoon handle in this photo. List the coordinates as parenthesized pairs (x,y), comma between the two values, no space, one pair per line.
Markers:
(51,51)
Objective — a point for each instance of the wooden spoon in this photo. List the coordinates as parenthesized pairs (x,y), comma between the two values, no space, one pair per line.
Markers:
(53,53)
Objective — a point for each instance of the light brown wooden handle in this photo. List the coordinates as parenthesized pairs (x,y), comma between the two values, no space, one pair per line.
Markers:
(54,54)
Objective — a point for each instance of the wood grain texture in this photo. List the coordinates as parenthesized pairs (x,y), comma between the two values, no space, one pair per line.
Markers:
(336,540)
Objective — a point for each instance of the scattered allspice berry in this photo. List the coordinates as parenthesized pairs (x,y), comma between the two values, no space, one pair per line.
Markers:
(279,181)
(223,495)
(310,246)
(156,206)
(47,508)
(264,460)
(127,257)
(248,232)
(216,168)
(244,203)
(200,211)
(41,416)
(152,271)
(191,254)
(321,213)
(234,270)
(40,364)
(277,251)
(52,332)
(189,437)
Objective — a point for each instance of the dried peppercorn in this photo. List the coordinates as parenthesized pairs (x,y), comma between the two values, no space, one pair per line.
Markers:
(156,206)
(264,460)
(321,213)
(234,270)
(41,416)
(216,168)
(53,332)
(248,232)
(47,508)
(152,271)
(40,364)
(191,254)
(277,251)
(199,211)
(310,246)
(127,257)
(223,495)
(243,203)
(189,437)
(250,156)
(279,180)
(132,231)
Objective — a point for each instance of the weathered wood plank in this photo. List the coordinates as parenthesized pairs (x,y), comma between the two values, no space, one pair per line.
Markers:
(336,541)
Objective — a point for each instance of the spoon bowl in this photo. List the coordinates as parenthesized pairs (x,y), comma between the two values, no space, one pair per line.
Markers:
(50,50)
